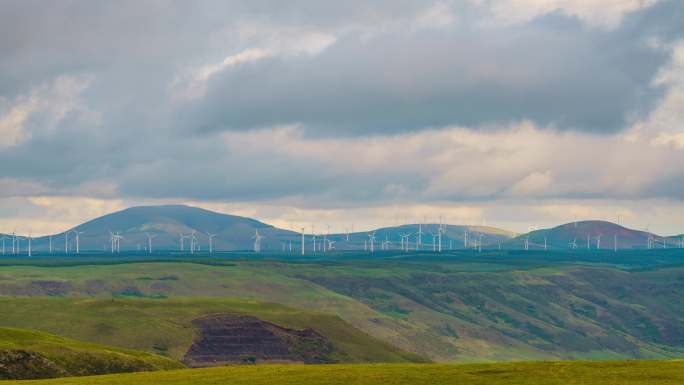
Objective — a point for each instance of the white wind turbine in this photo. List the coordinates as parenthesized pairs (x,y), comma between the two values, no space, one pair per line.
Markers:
(2,238)
(29,244)
(149,241)
(257,241)
(405,242)
(181,243)
(78,237)
(211,242)
(50,247)
(193,241)
(371,238)
(118,239)
(419,238)
(66,242)
(303,240)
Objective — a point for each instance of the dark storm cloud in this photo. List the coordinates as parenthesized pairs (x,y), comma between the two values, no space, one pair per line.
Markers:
(382,74)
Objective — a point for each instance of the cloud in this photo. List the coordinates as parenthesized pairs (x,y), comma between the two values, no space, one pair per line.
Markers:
(314,109)
(604,13)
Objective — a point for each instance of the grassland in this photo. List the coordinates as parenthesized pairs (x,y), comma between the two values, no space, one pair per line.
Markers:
(162,326)
(31,354)
(451,307)
(529,373)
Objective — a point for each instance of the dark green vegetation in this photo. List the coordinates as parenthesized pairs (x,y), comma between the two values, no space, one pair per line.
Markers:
(461,306)
(163,326)
(31,354)
(527,373)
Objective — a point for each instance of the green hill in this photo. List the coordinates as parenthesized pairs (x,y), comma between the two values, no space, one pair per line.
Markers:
(31,354)
(164,326)
(522,373)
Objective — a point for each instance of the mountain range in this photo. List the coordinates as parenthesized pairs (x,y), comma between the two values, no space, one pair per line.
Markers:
(171,228)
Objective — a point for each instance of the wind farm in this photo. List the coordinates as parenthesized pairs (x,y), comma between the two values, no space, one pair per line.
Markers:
(168,229)
(415,192)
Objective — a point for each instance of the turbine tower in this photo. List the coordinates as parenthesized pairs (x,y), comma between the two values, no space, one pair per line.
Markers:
(78,237)
(149,241)
(193,241)
(419,239)
(303,241)
(181,239)
(371,238)
(29,244)
(211,243)
(257,241)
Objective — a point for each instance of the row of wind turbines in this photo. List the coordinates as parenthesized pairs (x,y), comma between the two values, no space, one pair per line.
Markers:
(323,243)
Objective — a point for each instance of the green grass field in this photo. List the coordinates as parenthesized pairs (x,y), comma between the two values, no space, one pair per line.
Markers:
(450,308)
(525,373)
(27,353)
(162,326)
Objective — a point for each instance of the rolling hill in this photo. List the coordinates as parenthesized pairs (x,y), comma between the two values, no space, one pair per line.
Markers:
(592,235)
(26,354)
(167,223)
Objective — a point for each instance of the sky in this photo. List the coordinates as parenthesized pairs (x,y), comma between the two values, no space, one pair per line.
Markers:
(511,113)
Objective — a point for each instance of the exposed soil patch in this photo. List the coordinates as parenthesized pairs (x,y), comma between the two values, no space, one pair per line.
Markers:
(21,364)
(229,339)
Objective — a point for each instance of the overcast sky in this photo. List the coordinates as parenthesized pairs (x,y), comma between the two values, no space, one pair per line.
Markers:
(514,113)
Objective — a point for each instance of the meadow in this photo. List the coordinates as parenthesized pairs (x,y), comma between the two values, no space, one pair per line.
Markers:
(453,307)
(528,373)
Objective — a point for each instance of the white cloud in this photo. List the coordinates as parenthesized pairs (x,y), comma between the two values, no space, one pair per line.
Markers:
(532,184)
(56,99)
(267,41)
(604,13)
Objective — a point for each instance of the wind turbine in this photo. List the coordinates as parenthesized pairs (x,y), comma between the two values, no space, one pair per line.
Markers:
(257,241)
(181,239)
(303,241)
(211,244)
(50,238)
(371,238)
(439,234)
(2,238)
(193,240)
(78,237)
(598,241)
(29,244)
(149,241)
(331,245)
(66,242)
(419,239)
(405,242)
(112,240)
(117,239)
(479,244)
